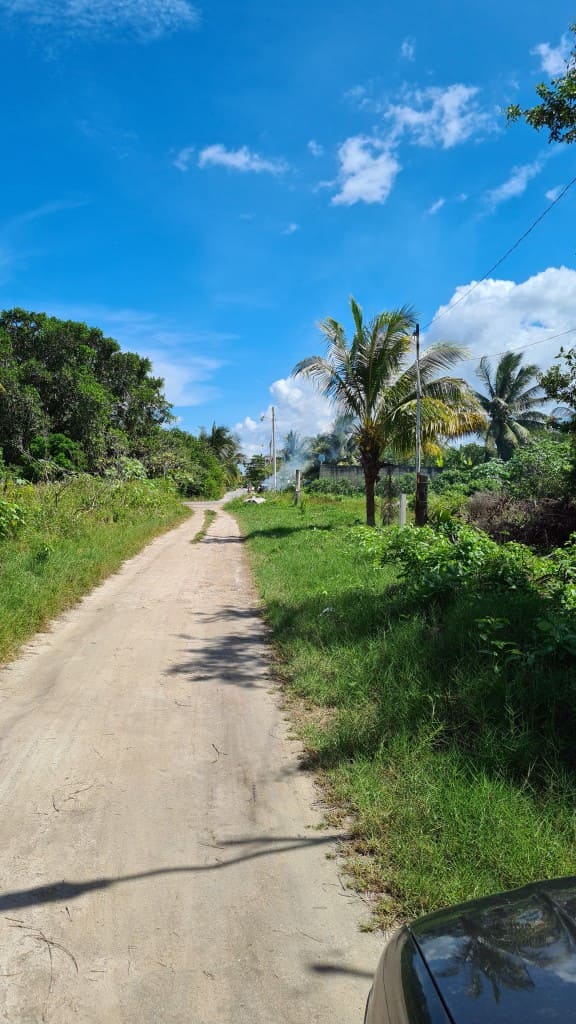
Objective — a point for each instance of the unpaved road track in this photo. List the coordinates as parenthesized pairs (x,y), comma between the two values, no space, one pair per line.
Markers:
(160,857)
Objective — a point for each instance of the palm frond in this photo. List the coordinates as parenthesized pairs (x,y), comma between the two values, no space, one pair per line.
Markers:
(484,372)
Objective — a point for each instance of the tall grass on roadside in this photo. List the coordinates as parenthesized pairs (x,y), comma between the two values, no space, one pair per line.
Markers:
(446,756)
(65,537)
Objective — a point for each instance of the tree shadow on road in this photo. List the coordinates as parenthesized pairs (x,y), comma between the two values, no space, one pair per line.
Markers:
(235,658)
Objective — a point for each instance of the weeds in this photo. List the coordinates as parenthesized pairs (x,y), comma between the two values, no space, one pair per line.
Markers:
(454,753)
(66,537)
(209,517)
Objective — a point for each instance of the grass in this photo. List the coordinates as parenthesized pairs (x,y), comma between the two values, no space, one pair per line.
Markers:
(453,782)
(209,517)
(74,535)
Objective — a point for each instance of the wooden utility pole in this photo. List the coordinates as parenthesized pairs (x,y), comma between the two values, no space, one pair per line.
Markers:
(421,478)
(297,486)
(274,447)
(402,510)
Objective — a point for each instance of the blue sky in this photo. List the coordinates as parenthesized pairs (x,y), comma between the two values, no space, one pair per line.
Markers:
(208,182)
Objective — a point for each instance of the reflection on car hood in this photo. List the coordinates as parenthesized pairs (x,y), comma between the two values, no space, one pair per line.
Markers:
(508,958)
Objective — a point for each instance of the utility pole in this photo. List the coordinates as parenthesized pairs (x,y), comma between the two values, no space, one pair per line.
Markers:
(421,478)
(416,337)
(274,447)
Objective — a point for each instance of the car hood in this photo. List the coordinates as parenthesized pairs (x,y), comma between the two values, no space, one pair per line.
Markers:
(509,958)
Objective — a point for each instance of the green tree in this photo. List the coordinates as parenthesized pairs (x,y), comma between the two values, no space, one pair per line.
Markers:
(511,402)
(294,447)
(63,377)
(559,382)
(369,380)
(557,108)
(226,447)
(257,470)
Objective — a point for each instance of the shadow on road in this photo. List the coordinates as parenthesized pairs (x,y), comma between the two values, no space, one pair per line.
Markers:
(63,891)
(234,658)
(339,969)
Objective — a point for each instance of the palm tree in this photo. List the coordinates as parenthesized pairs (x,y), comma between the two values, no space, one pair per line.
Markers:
(294,447)
(226,448)
(368,379)
(510,403)
(338,446)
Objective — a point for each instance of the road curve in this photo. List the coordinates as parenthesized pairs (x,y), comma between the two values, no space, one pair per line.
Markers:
(161,859)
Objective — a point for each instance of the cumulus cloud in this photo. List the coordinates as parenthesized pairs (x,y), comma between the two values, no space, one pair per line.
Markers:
(239,160)
(368,168)
(184,158)
(178,354)
(145,19)
(315,148)
(438,116)
(553,58)
(516,184)
(500,315)
(553,193)
(298,407)
(435,207)
(408,50)
(291,229)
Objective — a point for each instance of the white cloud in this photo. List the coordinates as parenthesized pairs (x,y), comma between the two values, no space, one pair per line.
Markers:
(48,210)
(291,229)
(435,207)
(367,171)
(516,184)
(553,193)
(500,315)
(177,354)
(183,158)
(438,116)
(408,50)
(553,58)
(239,160)
(145,19)
(315,148)
(298,406)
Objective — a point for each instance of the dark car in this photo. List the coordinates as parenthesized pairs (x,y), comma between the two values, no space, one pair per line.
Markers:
(506,959)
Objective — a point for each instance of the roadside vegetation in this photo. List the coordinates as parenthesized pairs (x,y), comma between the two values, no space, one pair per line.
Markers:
(90,466)
(432,675)
(72,402)
(58,540)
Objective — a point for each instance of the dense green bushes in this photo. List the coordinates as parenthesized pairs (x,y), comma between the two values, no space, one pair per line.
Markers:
(503,652)
(527,499)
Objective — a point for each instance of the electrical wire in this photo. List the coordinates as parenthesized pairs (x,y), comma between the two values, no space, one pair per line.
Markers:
(505,256)
(520,348)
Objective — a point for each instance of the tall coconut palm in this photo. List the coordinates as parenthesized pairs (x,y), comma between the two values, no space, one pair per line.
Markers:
(368,379)
(226,448)
(511,403)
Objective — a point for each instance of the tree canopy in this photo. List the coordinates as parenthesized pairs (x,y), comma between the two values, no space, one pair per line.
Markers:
(556,110)
(72,401)
(510,401)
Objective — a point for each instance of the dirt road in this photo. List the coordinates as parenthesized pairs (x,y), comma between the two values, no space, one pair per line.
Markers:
(160,857)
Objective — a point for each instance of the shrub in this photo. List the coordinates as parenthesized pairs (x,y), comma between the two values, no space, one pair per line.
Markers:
(541,469)
(12,518)
(438,562)
(542,523)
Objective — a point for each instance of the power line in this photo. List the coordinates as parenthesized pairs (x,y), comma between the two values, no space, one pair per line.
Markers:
(520,348)
(505,256)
